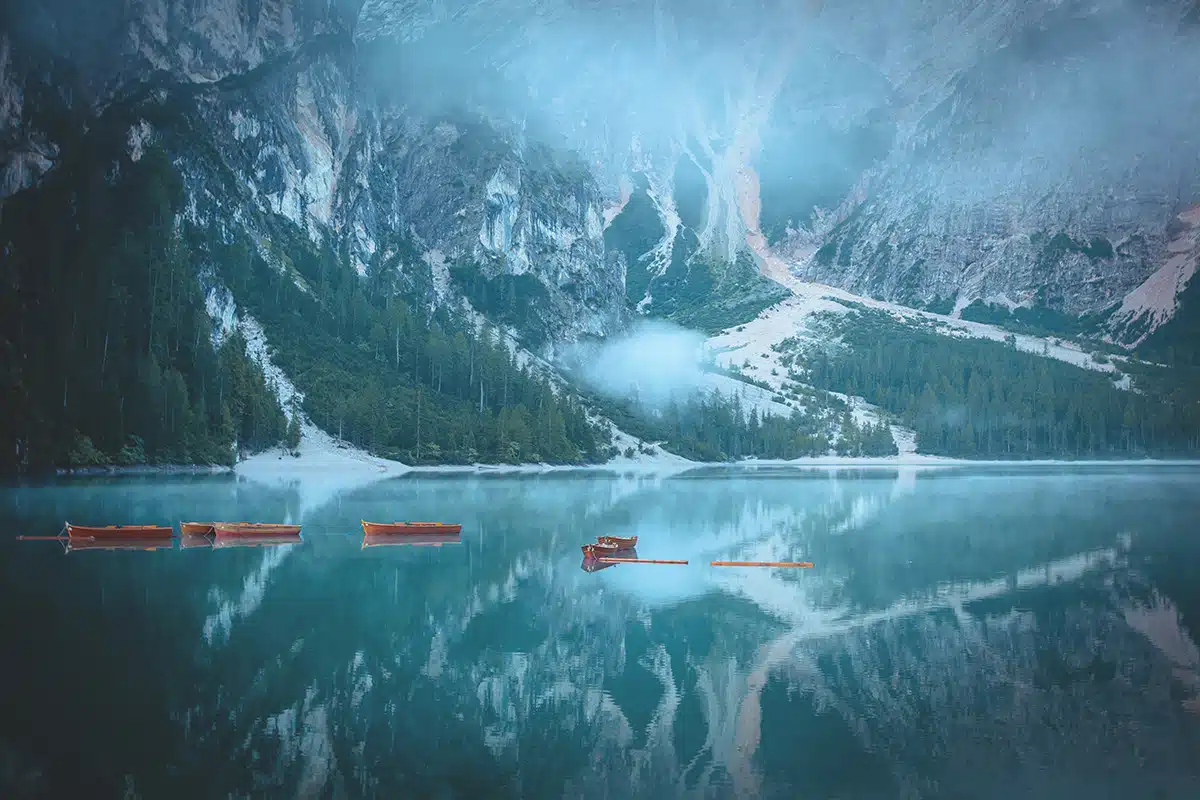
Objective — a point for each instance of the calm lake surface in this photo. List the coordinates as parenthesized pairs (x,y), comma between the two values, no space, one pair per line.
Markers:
(988,633)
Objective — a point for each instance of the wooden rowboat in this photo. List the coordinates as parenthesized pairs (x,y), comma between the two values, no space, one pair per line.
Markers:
(598,549)
(594,551)
(119,532)
(622,542)
(254,529)
(409,539)
(409,528)
(196,528)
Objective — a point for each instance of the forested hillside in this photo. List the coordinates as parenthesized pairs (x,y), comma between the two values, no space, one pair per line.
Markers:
(107,353)
(984,399)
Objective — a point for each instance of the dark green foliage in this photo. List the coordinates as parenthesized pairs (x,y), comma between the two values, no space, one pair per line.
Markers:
(1035,320)
(695,294)
(940,305)
(106,343)
(868,439)
(384,376)
(714,427)
(634,232)
(1175,344)
(691,193)
(1061,244)
(827,253)
(512,300)
(978,398)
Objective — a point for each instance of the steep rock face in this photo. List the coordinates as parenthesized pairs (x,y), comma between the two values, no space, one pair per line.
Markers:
(60,60)
(1018,153)
(1014,152)
(1045,176)
(515,225)
(263,107)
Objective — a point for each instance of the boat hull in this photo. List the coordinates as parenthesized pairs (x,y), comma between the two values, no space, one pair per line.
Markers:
(594,551)
(119,532)
(409,539)
(196,528)
(410,528)
(620,542)
(254,529)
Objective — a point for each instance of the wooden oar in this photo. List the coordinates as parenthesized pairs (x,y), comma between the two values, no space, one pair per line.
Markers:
(760,563)
(637,561)
(40,538)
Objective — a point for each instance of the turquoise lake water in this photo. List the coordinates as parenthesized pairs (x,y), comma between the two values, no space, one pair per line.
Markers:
(964,633)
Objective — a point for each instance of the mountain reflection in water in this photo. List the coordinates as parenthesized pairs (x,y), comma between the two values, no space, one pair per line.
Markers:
(963,633)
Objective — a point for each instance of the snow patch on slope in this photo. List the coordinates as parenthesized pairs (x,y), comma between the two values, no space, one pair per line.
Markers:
(816,296)
(259,353)
(1157,298)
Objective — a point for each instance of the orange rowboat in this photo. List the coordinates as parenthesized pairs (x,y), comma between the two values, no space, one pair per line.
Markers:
(196,528)
(119,532)
(621,542)
(254,529)
(409,539)
(409,528)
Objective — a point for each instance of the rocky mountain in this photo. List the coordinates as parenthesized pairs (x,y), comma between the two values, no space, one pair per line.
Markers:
(1036,159)
(559,167)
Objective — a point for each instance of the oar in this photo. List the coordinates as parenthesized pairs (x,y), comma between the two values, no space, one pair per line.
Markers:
(760,563)
(40,538)
(637,561)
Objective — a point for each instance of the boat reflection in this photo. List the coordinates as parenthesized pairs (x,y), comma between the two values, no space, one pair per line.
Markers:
(409,539)
(190,541)
(595,564)
(223,542)
(266,540)
(145,543)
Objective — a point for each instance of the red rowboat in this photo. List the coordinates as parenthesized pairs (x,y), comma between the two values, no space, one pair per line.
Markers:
(254,529)
(622,542)
(409,528)
(599,550)
(409,539)
(119,532)
(196,528)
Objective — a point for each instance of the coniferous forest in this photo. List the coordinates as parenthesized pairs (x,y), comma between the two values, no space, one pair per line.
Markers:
(983,399)
(107,354)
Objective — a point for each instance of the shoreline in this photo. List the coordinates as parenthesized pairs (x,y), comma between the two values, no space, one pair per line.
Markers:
(261,466)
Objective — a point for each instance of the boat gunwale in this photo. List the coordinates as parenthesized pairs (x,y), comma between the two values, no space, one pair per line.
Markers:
(74,531)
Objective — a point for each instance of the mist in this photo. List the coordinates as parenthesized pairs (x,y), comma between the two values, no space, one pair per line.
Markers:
(997,102)
(654,360)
